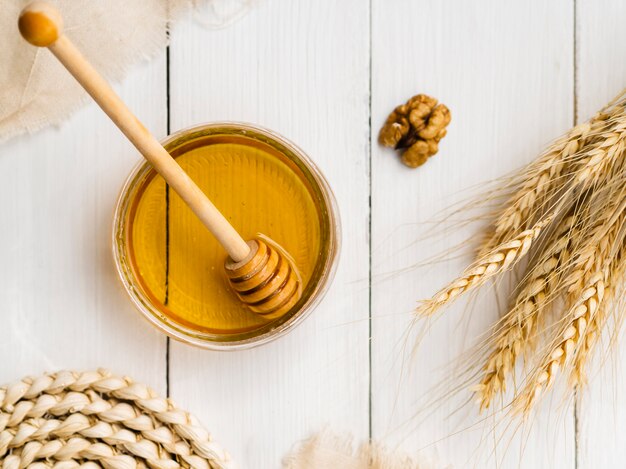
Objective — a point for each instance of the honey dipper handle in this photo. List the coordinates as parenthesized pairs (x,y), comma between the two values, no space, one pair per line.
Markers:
(41,25)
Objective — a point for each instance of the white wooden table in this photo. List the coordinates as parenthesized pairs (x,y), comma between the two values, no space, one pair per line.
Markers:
(325,74)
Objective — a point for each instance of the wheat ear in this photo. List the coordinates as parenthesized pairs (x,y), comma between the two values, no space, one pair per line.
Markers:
(570,337)
(597,162)
(499,260)
(519,325)
(541,177)
(588,340)
(585,284)
(521,322)
(591,335)
(571,156)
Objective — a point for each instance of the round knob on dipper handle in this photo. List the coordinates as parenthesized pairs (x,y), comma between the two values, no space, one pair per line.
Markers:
(40,24)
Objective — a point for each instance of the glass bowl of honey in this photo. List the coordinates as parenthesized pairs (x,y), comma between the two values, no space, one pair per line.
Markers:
(172,267)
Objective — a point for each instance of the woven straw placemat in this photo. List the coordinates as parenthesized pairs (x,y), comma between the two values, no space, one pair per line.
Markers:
(96,419)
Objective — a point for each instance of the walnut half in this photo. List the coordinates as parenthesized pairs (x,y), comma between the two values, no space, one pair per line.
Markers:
(415,128)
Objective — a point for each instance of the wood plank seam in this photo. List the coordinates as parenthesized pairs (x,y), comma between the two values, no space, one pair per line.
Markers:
(369,236)
(167,211)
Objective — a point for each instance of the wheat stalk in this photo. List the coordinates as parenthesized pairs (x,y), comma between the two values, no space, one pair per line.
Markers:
(572,333)
(521,322)
(569,157)
(598,160)
(585,284)
(570,207)
(499,260)
(592,333)
(544,176)
(540,181)
(588,340)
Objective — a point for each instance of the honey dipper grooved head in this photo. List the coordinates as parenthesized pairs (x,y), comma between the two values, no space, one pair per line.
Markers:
(266,281)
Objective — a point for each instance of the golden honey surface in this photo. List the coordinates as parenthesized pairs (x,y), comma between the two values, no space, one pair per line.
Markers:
(178,262)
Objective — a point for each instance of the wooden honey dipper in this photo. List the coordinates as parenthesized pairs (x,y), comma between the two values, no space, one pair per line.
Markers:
(261,273)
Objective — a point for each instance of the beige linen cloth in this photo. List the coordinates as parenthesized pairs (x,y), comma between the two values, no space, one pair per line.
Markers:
(35,92)
(329,451)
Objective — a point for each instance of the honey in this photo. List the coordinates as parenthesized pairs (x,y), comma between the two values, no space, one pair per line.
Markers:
(260,187)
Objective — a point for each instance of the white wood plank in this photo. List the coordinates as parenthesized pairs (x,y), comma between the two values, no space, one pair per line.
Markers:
(300,68)
(601,45)
(505,69)
(62,304)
